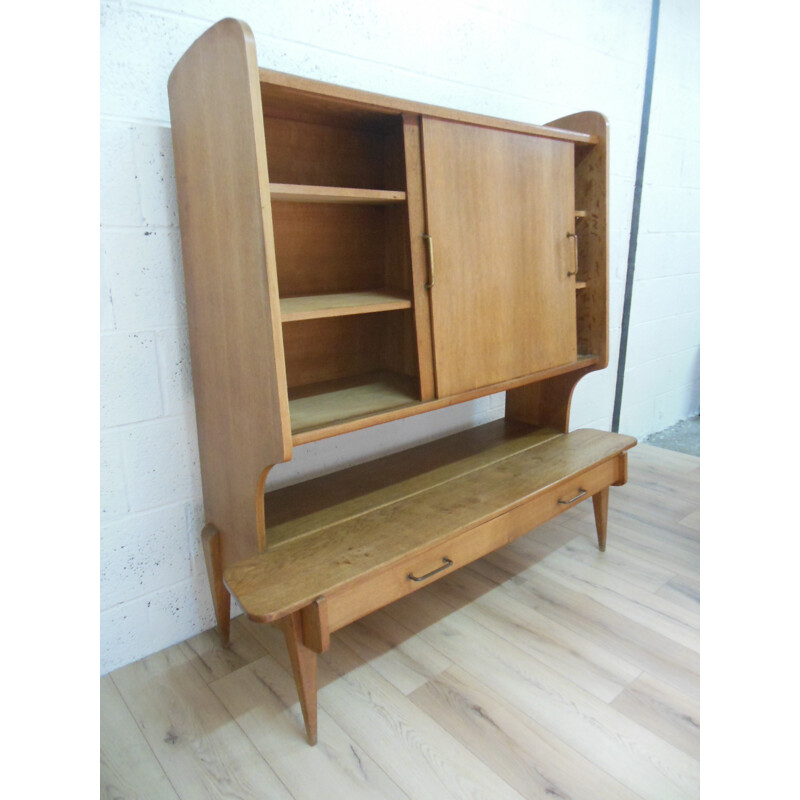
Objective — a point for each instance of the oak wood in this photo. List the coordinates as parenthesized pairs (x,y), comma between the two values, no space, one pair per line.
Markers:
(600,503)
(316,627)
(291,575)
(419,269)
(324,248)
(376,590)
(545,402)
(304,669)
(294,193)
(212,551)
(499,207)
(283,93)
(321,152)
(338,496)
(365,330)
(323,416)
(294,309)
(591,195)
(231,289)
(333,401)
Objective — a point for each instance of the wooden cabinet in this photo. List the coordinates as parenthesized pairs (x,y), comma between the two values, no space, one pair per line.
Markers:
(352,259)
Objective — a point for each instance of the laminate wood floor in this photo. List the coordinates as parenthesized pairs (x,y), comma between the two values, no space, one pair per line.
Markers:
(547,669)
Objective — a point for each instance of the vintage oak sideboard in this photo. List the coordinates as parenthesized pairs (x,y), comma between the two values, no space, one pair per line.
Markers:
(352,259)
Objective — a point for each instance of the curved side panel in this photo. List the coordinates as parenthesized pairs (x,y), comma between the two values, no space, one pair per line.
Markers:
(545,403)
(591,196)
(231,281)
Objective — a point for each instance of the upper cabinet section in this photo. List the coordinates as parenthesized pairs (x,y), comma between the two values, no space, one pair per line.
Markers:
(500,216)
(352,258)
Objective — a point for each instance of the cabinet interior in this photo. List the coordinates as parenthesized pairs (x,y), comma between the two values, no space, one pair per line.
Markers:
(340,191)
(340,225)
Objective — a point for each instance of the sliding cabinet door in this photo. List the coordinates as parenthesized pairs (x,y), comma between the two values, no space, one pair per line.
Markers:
(499,207)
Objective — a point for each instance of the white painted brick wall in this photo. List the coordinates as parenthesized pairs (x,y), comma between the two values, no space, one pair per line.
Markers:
(531,60)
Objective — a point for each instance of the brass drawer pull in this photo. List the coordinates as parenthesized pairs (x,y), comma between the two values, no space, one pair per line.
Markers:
(581,493)
(429,242)
(447,563)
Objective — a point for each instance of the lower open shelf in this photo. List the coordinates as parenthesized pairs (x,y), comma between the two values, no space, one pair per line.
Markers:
(321,404)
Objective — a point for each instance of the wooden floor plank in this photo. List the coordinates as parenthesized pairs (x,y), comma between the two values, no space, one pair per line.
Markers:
(128,767)
(660,708)
(407,662)
(534,761)
(624,597)
(583,549)
(204,753)
(425,761)
(213,661)
(692,520)
(588,665)
(639,645)
(417,754)
(643,761)
(262,699)
(683,591)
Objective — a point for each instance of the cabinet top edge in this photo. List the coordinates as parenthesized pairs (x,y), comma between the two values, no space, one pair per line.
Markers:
(370,101)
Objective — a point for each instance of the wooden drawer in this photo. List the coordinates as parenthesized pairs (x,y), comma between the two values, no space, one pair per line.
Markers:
(377,589)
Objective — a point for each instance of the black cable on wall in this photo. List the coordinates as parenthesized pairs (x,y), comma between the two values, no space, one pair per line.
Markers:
(637,203)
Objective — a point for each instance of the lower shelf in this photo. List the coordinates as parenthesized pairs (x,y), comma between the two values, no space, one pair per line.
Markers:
(417,513)
(321,404)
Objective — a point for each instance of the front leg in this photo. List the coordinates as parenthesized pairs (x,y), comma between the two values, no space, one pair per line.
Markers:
(307,633)
(600,502)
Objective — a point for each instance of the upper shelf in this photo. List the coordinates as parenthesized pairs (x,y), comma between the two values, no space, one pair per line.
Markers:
(296,193)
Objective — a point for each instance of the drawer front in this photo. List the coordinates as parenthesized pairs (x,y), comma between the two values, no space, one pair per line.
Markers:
(420,569)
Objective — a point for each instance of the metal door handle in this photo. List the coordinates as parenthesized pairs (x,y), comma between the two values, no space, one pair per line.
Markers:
(429,242)
(574,237)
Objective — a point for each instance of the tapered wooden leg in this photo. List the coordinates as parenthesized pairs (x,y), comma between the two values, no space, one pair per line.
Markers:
(304,667)
(212,549)
(600,501)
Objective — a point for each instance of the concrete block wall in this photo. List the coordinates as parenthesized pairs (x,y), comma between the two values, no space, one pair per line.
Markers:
(662,369)
(522,59)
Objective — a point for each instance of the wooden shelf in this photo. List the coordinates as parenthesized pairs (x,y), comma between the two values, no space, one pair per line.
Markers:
(322,404)
(580,284)
(296,193)
(316,306)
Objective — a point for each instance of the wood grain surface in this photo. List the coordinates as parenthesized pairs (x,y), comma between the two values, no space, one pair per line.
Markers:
(499,206)
(337,552)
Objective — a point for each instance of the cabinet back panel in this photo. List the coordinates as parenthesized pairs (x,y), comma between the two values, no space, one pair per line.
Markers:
(321,247)
(339,347)
(325,155)
(282,102)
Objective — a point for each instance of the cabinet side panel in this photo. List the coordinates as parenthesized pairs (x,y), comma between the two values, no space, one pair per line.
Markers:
(231,284)
(591,196)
